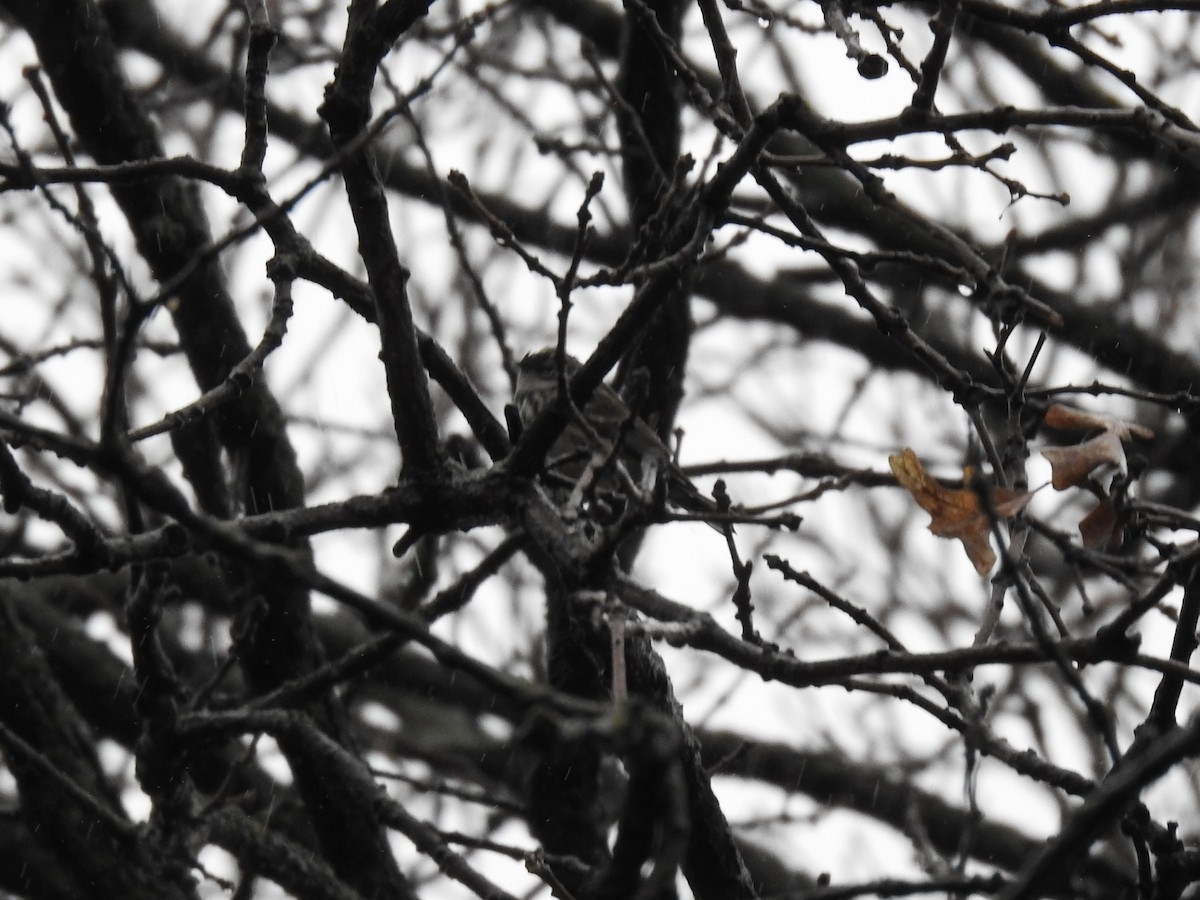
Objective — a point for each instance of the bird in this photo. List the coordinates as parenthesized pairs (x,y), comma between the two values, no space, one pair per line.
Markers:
(605,440)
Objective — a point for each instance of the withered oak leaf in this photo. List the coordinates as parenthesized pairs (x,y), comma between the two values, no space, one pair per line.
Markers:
(957,512)
(1071,466)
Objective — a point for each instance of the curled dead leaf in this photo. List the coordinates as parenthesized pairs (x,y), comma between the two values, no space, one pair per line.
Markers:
(957,512)
(1101,529)
(1068,418)
(1071,466)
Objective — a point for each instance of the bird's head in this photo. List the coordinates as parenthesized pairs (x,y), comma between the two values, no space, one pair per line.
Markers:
(538,371)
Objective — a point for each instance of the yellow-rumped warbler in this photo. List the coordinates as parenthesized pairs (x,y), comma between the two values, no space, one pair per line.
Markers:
(613,436)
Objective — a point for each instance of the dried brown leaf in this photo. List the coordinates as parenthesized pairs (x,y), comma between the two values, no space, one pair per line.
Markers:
(1100,528)
(1070,419)
(956,512)
(1072,465)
